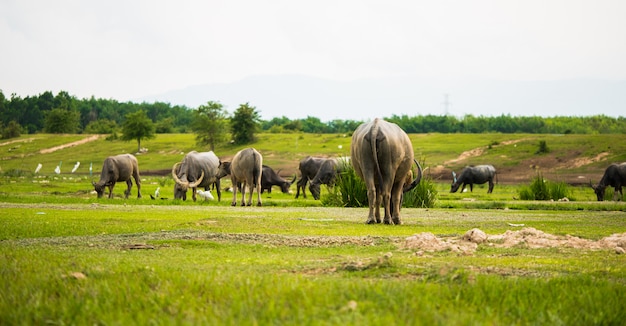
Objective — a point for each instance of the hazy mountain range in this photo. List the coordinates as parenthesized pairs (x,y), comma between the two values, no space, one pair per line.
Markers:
(297,96)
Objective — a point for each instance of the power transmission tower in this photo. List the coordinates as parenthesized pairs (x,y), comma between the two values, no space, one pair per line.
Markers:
(446,103)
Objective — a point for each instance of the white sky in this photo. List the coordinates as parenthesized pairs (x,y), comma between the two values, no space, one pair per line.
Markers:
(125,50)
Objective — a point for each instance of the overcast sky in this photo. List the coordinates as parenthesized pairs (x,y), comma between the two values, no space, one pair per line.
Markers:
(127,50)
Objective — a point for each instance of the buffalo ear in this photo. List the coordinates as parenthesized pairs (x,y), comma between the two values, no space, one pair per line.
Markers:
(94,183)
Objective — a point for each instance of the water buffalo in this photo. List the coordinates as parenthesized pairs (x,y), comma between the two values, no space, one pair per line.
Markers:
(382,155)
(197,169)
(471,175)
(614,176)
(270,178)
(118,168)
(245,168)
(326,174)
(308,169)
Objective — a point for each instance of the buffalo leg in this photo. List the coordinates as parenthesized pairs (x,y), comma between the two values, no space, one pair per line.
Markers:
(244,186)
(129,185)
(386,200)
(216,185)
(111,190)
(138,183)
(235,186)
(490,186)
(301,184)
(258,195)
(371,198)
(396,203)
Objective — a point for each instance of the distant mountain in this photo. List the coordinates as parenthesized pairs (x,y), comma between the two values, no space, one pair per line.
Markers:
(297,96)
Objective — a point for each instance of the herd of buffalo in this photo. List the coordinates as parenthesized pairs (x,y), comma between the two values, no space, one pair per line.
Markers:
(381,154)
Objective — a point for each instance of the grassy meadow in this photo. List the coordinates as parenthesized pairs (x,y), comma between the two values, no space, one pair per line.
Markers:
(67,257)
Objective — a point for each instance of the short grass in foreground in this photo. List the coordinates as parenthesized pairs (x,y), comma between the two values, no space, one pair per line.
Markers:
(73,264)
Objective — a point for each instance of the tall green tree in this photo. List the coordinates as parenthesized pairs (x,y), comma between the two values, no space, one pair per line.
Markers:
(210,124)
(244,124)
(137,127)
(62,121)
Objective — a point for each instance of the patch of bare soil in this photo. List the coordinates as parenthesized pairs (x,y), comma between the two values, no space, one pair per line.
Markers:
(75,143)
(27,140)
(421,243)
(526,238)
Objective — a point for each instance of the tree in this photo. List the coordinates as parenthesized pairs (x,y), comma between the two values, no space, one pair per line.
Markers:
(62,121)
(11,130)
(137,126)
(210,124)
(244,124)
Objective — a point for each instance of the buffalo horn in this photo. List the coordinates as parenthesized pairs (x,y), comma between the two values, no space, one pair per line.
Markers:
(174,174)
(417,179)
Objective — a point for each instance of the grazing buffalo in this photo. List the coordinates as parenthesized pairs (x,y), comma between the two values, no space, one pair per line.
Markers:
(614,176)
(270,178)
(118,168)
(471,175)
(308,169)
(197,169)
(382,155)
(326,174)
(245,168)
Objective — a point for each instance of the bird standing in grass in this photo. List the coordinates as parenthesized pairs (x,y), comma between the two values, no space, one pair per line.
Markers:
(205,194)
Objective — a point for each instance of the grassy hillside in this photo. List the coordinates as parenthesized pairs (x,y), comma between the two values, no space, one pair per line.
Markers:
(514,155)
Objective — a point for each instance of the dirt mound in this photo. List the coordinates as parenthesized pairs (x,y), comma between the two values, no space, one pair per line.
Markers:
(526,237)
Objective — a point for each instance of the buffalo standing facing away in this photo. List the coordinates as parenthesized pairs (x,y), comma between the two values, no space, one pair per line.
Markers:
(382,155)
(308,169)
(614,176)
(246,168)
(118,168)
(270,178)
(471,175)
(197,169)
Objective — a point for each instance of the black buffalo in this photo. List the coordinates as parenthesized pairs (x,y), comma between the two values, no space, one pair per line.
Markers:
(308,169)
(118,168)
(270,178)
(326,174)
(614,176)
(471,175)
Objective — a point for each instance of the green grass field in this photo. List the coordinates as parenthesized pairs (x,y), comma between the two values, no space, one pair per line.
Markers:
(67,257)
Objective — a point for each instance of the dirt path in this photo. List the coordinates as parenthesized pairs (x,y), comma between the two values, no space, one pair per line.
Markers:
(75,143)
(27,140)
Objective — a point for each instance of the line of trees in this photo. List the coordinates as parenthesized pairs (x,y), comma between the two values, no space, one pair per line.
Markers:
(64,113)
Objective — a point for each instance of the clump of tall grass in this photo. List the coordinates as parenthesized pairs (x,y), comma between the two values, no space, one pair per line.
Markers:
(541,189)
(424,195)
(350,191)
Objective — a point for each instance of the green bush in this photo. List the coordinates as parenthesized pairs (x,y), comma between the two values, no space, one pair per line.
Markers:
(349,189)
(541,189)
(424,195)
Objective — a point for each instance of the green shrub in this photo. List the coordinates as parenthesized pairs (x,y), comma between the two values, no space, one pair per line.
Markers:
(541,189)
(349,189)
(424,195)
(543,147)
